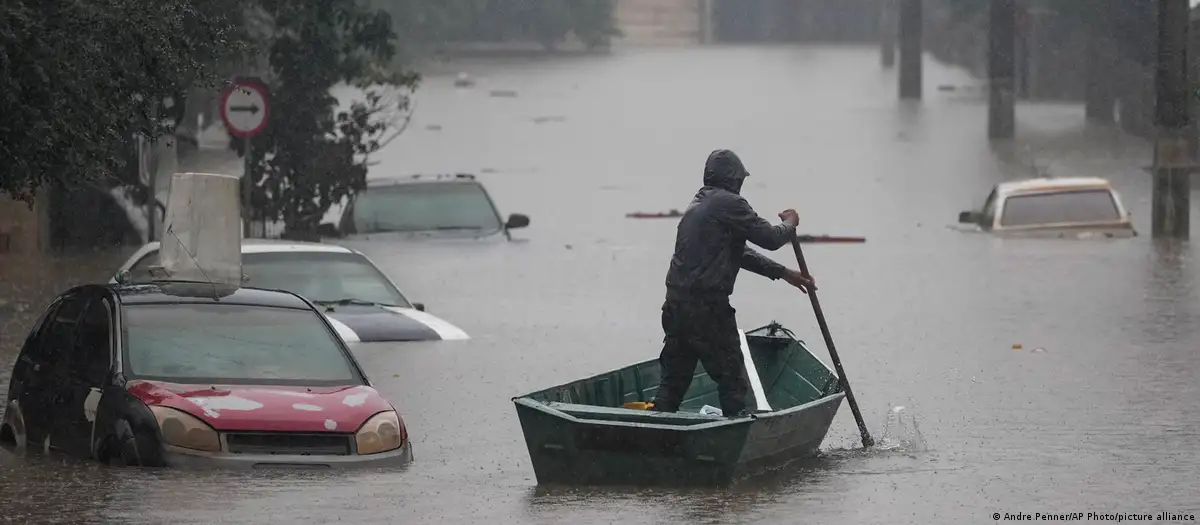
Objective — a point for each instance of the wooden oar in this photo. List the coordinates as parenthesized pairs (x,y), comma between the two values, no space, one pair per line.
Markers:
(815,239)
(837,363)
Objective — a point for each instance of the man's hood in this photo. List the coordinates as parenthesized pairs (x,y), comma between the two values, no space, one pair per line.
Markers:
(725,170)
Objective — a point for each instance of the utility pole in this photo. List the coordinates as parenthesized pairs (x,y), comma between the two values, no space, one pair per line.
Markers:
(1021,54)
(887,33)
(1002,24)
(707,31)
(1170,216)
(1101,97)
(910,49)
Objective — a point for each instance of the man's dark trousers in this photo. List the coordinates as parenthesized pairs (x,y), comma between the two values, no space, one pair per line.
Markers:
(704,331)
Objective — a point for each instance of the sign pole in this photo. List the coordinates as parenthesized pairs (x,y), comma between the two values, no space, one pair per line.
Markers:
(247,185)
(245,109)
(151,179)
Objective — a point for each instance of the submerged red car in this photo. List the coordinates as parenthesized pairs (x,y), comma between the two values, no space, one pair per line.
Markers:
(196,374)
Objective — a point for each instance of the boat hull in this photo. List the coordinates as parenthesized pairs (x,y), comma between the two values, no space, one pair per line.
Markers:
(567,448)
(581,433)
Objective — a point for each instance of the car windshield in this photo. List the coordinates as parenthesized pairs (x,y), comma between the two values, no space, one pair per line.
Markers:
(424,207)
(234,344)
(321,276)
(1060,207)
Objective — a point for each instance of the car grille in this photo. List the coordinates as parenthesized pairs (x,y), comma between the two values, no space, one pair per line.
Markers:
(288,443)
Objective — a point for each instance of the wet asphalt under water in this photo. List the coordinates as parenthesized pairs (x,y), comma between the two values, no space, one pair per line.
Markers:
(1105,419)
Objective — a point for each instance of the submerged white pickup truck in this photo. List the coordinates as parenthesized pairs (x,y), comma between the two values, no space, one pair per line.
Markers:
(1078,207)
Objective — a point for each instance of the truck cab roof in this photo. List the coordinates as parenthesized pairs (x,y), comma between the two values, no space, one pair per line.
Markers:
(1051,185)
(1053,207)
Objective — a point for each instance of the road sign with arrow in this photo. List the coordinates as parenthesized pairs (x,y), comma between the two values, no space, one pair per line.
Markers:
(245,107)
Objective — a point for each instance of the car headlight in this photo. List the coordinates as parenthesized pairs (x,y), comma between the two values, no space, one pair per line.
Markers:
(381,433)
(185,430)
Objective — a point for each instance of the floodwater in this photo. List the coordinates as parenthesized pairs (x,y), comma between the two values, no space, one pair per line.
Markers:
(1099,410)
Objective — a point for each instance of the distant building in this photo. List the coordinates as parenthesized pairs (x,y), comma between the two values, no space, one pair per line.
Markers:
(683,22)
(663,22)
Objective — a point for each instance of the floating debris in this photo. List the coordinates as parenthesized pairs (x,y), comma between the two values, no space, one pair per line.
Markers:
(660,215)
(1017,346)
(948,88)
(503,93)
(434,127)
(463,80)
(1039,350)
(543,120)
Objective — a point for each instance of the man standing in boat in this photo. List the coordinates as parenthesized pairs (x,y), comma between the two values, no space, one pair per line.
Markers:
(710,248)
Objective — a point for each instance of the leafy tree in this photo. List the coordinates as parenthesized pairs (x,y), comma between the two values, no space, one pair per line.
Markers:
(594,22)
(313,154)
(547,21)
(79,77)
(422,24)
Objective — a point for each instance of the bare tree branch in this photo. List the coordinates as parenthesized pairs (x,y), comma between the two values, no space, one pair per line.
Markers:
(399,124)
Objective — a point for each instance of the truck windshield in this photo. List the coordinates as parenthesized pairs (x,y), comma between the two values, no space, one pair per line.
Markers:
(232,344)
(424,207)
(1085,206)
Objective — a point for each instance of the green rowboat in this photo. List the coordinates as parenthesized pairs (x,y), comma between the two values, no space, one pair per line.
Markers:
(581,433)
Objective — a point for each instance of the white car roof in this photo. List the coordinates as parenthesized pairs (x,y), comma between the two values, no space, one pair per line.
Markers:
(276,246)
(1048,184)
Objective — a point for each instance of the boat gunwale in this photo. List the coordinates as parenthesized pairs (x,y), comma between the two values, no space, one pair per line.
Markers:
(750,418)
(798,408)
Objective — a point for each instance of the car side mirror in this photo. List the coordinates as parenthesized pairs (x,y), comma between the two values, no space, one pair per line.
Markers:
(517,220)
(327,229)
(968,217)
(420,307)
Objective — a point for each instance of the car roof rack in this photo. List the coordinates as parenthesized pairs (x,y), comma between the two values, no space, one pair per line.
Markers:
(419,177)
(442,176)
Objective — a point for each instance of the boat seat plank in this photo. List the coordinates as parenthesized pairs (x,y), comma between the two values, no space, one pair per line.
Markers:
(756,386)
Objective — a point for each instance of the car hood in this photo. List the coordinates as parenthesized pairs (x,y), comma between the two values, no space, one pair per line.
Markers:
(267,408)
(372,324)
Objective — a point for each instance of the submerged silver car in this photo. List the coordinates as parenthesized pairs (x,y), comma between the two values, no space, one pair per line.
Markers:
(362,303)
